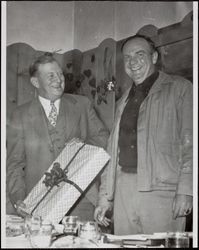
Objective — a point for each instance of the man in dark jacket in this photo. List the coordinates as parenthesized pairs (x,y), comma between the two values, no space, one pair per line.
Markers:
(148,182)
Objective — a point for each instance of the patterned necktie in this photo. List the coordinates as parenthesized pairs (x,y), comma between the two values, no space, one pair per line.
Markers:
(53,114)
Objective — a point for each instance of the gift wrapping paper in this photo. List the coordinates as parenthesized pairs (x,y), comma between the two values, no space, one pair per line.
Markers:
(84,168)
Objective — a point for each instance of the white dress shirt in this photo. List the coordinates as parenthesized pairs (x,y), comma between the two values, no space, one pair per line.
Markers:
(46,105)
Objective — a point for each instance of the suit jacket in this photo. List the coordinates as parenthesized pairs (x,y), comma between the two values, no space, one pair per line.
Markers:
(30,149)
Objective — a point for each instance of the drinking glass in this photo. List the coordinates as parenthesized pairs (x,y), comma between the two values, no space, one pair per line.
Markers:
(38,232)
(71,224)
(177,240)
(89,230)
(31,223)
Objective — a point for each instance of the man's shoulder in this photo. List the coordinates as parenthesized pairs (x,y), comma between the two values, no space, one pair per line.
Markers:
(22,110)
(75,99)
(176,82)
(173,78)
(25,106)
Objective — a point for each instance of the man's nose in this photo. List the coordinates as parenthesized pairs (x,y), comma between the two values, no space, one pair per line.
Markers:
(58,78)
(133,60)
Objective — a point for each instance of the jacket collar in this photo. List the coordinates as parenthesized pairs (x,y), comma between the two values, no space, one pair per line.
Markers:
(162,79)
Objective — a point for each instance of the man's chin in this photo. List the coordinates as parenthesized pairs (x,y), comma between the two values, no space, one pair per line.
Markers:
(58,92)
(56,96)
(138,80)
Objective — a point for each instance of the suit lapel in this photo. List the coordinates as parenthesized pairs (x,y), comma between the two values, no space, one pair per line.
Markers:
(38,121)
(68,117)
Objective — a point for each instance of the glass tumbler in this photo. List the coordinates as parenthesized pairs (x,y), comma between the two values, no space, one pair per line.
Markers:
(71,224)
(40,237)
(31,223)
(177,240)
(89,230)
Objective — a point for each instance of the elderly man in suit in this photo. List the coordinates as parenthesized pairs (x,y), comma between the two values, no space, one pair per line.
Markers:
(39,130)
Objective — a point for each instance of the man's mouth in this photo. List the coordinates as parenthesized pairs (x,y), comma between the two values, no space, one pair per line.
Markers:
(136,71)
(135,68)
(57,87)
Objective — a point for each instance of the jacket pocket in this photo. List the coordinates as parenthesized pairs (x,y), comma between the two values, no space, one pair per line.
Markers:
(167,163)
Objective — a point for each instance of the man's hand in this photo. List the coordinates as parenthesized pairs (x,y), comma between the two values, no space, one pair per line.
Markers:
(182,205)
(99,215)
(20,207)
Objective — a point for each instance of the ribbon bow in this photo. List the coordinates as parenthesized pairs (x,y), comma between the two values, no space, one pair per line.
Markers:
(55,176)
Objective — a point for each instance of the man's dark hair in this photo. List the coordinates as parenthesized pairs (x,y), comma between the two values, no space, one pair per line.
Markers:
(146,38)
(47,57)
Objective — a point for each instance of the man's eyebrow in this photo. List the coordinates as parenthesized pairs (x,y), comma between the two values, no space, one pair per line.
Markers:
(52,72)
(141,51)
(135,52)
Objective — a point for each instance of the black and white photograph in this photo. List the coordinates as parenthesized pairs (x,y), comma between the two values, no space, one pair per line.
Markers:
(99,124)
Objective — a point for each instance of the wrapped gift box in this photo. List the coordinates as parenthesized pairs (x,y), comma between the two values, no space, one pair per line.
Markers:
(89,161)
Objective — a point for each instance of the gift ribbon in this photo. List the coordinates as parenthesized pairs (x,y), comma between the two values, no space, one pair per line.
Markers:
(55,181)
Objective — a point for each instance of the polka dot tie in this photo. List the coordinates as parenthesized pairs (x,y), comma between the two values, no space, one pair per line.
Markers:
(53,114)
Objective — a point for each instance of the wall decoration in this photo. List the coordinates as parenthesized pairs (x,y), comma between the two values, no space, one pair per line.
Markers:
(93,58)
(88,70)
(71,63)
(106,81)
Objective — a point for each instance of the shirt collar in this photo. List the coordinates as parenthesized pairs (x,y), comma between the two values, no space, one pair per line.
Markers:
(46,104)
(148,82)
(145,85)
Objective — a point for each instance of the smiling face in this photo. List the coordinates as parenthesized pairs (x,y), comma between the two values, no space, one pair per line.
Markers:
(139,59)
(49,81)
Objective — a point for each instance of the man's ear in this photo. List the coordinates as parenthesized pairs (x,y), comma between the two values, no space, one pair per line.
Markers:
(154,57)
(34,81)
